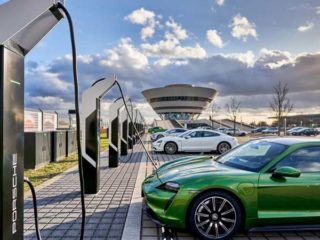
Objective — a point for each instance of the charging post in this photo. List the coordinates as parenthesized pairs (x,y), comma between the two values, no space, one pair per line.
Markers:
(23,24)
(124,132)
(130,125)
(90,126)
(114,130)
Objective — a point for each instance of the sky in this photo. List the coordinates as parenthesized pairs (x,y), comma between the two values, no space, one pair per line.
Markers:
(239,47)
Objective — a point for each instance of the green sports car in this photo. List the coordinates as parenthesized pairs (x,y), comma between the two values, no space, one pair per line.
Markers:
(262,183)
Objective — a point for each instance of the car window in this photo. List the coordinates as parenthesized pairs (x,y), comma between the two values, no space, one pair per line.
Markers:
(210,134)
(307,160)
(180,130)
(196,134)
(252,156)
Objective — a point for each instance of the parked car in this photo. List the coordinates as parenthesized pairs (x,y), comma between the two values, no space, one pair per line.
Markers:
(169,132)
(205,127)
(258,130)
(306,132)
(271,130)
(261,183)
(222,129)
(156,129)
(196,140)
(291,130)
(235,132)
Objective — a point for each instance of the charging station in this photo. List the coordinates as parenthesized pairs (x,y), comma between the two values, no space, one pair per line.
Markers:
(123,118)
(114,130)
(22,27)
(130,126)
(90,125)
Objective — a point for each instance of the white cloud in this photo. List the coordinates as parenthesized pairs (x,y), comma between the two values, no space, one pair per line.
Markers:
(145,18)
(307,27)
(125,55)
(220,2)
(179,32)
(318,10)
(173,49)
(140,16)
(214,38)
(274,58)
(242,28)
(247,58)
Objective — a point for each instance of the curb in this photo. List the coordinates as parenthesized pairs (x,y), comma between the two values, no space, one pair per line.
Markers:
(132,225)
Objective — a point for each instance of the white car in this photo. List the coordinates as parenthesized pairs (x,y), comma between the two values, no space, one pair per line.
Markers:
(169,132)
(235,132)
(197,140)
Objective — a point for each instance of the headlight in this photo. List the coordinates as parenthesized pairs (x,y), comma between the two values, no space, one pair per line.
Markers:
(170,186)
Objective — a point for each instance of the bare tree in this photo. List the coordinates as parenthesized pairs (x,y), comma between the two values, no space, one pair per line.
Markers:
(214,109)
(280,103)
(233,109)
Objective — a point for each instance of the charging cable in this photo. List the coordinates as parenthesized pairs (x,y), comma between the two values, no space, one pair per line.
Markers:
(136,130)
(76,102)
(35,208)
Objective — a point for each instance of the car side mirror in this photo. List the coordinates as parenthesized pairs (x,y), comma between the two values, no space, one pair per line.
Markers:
(187,137)
(287,172)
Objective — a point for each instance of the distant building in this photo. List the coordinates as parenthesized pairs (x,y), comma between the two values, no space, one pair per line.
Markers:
(308,120)
(179,101)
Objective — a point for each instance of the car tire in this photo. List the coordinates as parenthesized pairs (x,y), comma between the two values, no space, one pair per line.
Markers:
(170,148)
(223,147)
(217,222)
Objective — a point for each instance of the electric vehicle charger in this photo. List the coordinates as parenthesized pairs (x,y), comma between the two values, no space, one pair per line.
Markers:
(77,113)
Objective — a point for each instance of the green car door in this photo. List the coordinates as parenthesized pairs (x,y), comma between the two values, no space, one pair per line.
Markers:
(291,199)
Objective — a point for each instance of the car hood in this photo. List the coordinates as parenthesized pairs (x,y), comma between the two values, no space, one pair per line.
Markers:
(192,166)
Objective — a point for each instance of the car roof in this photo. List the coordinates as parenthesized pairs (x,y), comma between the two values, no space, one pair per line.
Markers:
(292,140)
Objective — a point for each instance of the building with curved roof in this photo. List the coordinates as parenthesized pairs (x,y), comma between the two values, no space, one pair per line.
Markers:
(179,101)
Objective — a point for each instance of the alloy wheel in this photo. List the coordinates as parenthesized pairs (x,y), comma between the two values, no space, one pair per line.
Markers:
(215,217)
(170,148)
(223,147)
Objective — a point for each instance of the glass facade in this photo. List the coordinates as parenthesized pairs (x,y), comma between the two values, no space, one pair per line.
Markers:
(180,98)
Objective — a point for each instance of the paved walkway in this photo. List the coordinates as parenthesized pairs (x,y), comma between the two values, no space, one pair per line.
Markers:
(59,204)
(107,212)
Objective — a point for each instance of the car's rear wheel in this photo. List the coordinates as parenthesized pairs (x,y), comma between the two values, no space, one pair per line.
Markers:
(170,148)
(215,215)
(223,147)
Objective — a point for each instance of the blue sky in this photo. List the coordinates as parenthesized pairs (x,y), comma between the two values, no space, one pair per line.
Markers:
(100,24)
(240,47)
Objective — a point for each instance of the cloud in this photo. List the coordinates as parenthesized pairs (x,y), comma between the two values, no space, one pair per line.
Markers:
(145,18)
(179,32)
(125,56)
(242,28)
(220,2)
(214,38)
(318,9)
(140,16)
(243,75)
(172,49)
(307,27)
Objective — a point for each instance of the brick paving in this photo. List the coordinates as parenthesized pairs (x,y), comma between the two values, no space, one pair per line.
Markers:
(59,204)
(150,231)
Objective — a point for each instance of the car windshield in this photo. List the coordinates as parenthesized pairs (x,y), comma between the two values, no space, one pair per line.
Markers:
(252,156)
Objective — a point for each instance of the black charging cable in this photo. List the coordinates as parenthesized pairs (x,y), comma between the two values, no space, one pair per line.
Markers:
(77,108)
(136,130)
(35,208)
